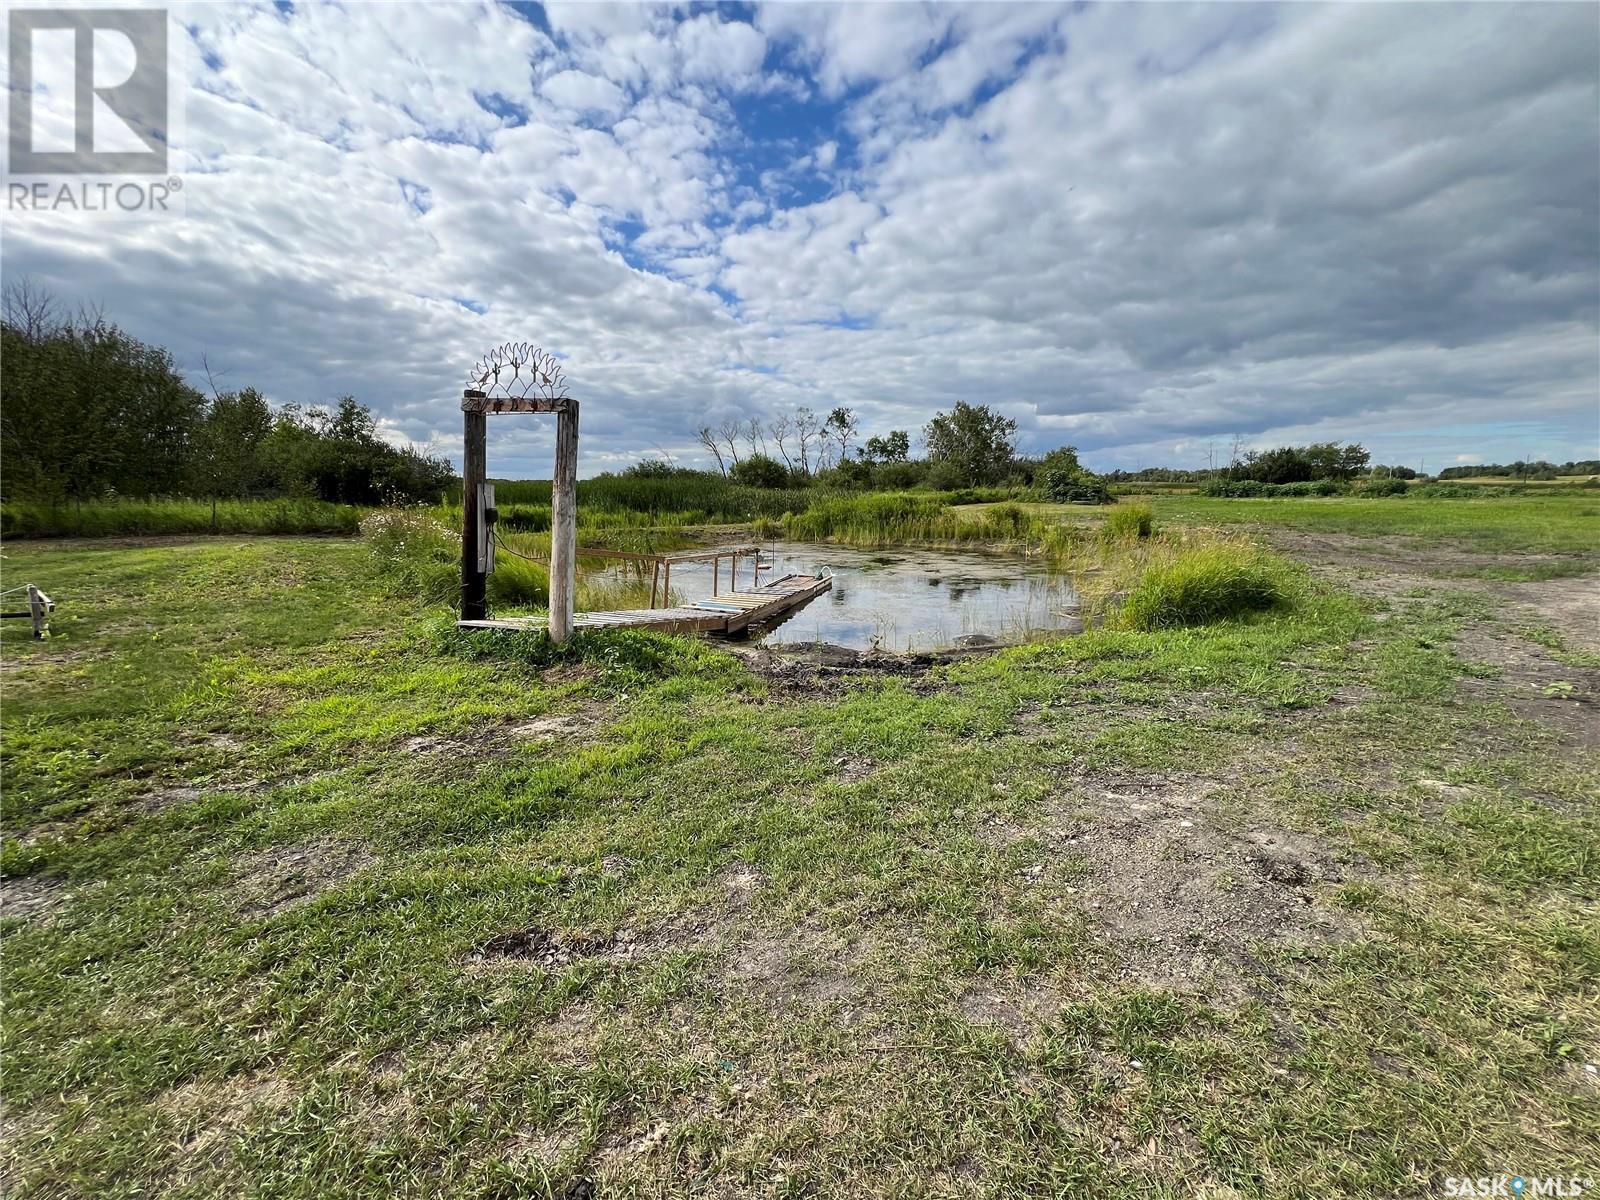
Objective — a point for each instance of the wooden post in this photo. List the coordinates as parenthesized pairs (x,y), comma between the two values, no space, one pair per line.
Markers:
(474,464)
(39,610)
(564,524)
(666,583)
(716,566)
(655,577)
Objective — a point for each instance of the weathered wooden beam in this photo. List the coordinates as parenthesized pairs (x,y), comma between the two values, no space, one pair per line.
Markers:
(564,524)
(474,465)
(480,402)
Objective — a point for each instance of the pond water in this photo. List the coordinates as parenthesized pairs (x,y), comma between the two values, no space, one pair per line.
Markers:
(905,598)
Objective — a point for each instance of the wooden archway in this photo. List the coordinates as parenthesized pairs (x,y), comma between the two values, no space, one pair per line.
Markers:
(518,378)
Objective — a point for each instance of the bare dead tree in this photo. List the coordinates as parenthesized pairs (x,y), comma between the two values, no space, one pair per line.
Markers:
(780,428)
(1235,449)
(806,426)
(29,309)
(211,379)
(708,439)
(754,437)
(729,431)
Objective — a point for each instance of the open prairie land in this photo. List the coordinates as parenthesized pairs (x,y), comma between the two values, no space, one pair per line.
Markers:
(308,896)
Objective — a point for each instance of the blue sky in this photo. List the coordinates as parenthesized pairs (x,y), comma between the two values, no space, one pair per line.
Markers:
(1146,230)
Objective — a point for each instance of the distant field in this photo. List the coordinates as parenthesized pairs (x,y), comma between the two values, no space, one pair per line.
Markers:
(1560,524)
(1509,481)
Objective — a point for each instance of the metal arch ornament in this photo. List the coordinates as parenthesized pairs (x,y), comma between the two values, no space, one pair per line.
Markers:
(517,371)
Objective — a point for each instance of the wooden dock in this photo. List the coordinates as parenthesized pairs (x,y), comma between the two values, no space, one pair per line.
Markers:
(729,612)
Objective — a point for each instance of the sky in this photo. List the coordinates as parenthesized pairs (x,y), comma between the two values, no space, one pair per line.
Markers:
(1146,230)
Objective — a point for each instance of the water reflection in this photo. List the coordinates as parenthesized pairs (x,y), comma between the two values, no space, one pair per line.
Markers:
(911,599)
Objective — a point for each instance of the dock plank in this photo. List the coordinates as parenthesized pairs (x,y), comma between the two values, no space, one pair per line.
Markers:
(729,612)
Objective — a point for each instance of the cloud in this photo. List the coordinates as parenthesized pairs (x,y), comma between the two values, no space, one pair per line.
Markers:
(1132,227)
(586,93)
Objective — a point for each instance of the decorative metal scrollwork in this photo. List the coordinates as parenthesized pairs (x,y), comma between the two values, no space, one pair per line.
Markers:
(518,371)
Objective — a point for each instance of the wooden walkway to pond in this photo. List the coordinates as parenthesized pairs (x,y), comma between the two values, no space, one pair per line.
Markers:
(729,612)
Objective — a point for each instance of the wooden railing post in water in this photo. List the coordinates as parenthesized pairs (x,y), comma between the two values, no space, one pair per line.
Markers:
(474,464)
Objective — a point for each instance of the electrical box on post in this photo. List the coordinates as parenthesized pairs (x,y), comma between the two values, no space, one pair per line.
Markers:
(487,515)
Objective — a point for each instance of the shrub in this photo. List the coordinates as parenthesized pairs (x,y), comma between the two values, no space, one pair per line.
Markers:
(1208,582)
(1068,483)
(1382,487)
(1234,489)
(1128,522)
(760,471)
(1243,489)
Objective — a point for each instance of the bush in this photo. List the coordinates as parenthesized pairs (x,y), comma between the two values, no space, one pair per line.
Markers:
(1382,487)
(760,471)
(1245,489)
(1128,522)
(1210,582)
(1068,483)
(1450,491)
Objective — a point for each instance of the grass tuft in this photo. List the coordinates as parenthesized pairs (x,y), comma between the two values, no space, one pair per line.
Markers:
(1128,522)
(1211,581)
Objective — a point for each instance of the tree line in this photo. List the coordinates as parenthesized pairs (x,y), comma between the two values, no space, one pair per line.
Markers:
(91,412)
(971,445)
(1524,470)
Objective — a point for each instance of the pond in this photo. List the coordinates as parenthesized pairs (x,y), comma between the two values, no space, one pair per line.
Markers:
(908,599)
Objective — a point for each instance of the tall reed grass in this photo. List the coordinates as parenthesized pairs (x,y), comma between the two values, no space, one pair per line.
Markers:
(680,499)
(133,518)
(885,519)
(1198,583)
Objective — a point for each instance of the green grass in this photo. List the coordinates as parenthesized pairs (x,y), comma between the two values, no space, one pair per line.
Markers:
(1198,584)
(684,499)
(271,806)
(881,519)
(130,518)
(1551,523)
(1128,522)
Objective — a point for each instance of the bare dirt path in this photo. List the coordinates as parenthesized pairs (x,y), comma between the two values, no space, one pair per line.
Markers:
(1551,679)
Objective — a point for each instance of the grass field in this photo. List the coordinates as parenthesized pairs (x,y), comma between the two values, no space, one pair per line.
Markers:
(306,896)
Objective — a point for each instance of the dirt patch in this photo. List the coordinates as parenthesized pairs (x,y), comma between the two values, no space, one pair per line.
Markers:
(822,669)
(278,879)
(741,882)
(558,725)
(853,768)
(1396,563)
(1020,1012)
(32,897)
(165,798)
(1183,897)
(553,950)
(1537,687)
